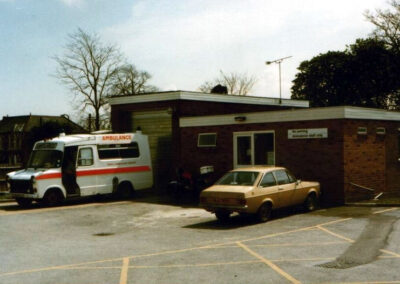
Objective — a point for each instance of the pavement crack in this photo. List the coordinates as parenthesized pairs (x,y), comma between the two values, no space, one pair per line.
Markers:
(368,246)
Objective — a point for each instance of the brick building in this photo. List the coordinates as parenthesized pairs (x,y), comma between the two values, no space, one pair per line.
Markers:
(158,116)
(353,152)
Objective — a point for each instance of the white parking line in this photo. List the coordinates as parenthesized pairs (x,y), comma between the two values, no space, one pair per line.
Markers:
(4,212)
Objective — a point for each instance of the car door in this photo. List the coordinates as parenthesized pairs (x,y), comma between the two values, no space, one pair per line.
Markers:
(286,187)
(299,194)
(85,171)
(268,188)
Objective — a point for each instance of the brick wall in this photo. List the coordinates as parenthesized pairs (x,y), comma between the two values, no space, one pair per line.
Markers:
(371,160)
(121,120)
(392,157)
(341,159)
(364,160)
(308,159)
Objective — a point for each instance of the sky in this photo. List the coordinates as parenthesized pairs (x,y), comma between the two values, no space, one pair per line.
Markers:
(181,43)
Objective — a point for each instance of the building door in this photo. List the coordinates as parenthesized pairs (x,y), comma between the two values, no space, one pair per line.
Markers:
(157,125)
(254,148)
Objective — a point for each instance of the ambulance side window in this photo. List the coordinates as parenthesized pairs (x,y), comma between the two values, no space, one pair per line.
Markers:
(130,151)
(118,151)
(85,157)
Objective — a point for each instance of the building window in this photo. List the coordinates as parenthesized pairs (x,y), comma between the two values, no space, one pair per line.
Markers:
(254,148)
(207,140)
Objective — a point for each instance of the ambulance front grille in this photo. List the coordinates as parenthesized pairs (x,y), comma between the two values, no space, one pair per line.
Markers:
(20,186)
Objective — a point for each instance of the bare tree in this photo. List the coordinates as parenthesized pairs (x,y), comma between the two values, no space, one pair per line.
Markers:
(387,24)
(207,86)
(236,83)
(88,68)
(130,81)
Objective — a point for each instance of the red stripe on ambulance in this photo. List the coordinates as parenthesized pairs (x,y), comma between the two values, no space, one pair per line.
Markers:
(49,176)
(99,172)
(113,171)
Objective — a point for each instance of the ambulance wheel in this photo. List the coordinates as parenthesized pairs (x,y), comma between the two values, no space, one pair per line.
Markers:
(125,191)
(52,197)
(24,202)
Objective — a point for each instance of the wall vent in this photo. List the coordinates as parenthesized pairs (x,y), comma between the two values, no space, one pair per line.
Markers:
(380,131)
(362,131)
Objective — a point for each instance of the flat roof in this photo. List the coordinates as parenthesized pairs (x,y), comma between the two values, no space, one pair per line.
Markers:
(323,113)
(206,97)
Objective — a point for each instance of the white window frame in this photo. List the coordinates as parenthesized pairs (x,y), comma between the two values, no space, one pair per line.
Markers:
(251,135)
(79,159)
(204,134)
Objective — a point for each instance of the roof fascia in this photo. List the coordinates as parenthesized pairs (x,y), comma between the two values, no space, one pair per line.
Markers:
(340,112)
(195,96)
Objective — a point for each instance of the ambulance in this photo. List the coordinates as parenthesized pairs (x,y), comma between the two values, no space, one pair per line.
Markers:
(71,166)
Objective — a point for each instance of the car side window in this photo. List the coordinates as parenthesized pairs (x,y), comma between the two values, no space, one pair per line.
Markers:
(268,180)
(85,157)
(282,177)
(292,179)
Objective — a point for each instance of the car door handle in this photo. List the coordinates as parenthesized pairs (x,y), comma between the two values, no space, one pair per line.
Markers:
(280,188)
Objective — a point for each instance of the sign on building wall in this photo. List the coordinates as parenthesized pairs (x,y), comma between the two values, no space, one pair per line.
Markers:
(311,133)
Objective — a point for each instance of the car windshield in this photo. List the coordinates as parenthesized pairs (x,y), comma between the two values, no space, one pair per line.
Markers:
(239,178)
(45,159)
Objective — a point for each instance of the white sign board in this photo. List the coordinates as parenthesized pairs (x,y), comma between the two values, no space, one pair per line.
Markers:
(312,133)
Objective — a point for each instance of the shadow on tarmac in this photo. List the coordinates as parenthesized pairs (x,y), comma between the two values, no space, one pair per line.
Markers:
(238,221)
(140,196)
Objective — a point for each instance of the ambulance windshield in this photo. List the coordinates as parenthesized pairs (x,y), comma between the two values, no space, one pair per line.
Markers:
(45,159)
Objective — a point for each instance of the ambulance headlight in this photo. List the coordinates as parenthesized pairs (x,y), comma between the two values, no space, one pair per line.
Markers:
(8,183)
(32,188)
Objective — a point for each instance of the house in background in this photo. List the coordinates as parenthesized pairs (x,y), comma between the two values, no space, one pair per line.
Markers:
(14,135)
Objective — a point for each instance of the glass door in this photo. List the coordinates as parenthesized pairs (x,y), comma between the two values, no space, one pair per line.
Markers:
(243,151)
(264,152)
(254,148)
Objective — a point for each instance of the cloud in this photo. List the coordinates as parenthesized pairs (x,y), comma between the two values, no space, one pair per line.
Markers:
(73,3)
(183,43)
(192,27)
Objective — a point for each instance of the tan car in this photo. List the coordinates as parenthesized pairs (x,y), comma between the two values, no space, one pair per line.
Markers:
(258,190)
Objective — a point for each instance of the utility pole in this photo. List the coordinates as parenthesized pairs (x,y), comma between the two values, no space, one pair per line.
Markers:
(90,123)
(278,61)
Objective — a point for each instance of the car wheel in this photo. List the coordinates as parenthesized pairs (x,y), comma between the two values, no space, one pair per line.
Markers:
(264,212)
(222,215)
(310,204)
(24,202)
(52,198)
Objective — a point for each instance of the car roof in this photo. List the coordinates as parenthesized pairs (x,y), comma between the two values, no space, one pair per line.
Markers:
(258,169)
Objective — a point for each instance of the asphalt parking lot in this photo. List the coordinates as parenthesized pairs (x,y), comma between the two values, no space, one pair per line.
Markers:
(147,240)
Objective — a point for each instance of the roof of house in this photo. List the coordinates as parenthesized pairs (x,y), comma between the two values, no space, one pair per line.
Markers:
(198,96)
(25,123)
(322,113)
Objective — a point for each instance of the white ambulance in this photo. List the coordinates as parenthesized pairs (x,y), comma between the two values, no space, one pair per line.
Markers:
(71,166)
